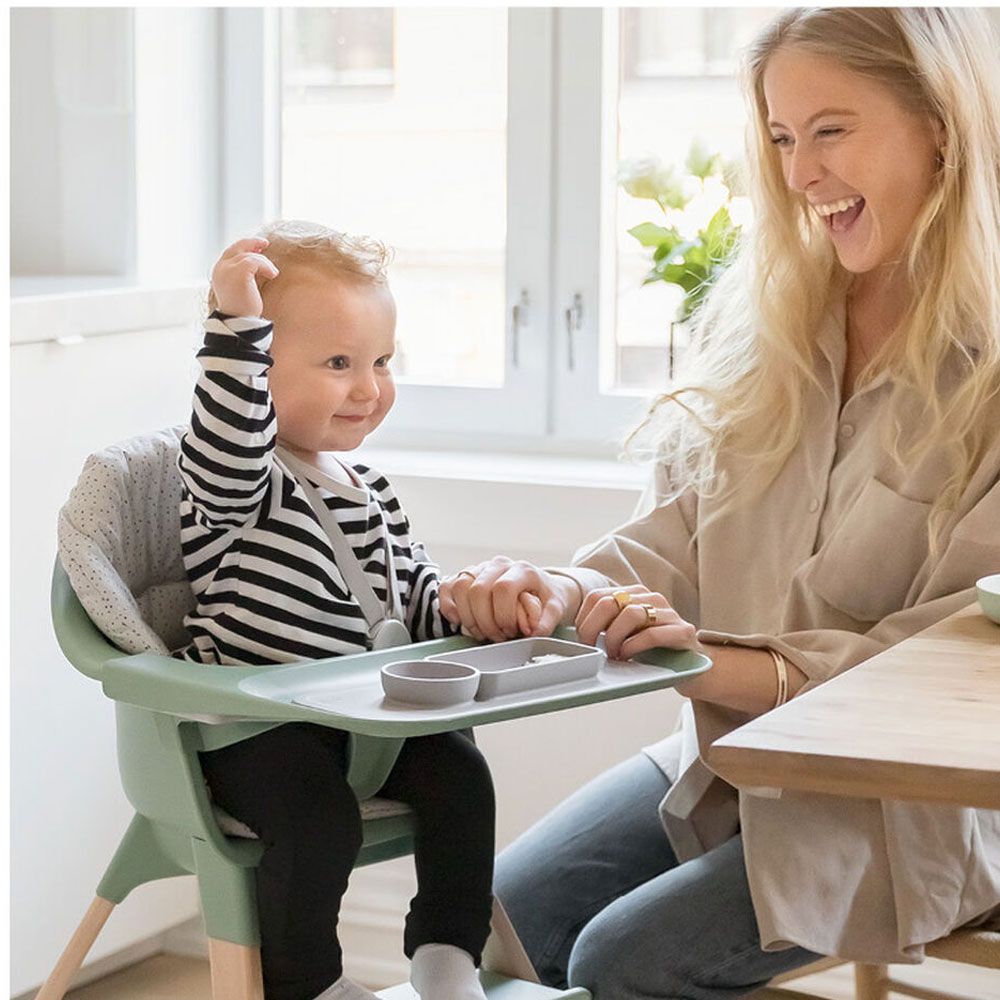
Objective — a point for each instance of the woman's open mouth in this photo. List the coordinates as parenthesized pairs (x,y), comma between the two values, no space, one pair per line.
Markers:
(840,216)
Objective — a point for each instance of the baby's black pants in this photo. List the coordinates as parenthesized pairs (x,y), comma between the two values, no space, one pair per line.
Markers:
(289,786)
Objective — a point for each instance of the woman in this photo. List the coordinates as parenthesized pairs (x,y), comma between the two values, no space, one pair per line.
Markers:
(826,484)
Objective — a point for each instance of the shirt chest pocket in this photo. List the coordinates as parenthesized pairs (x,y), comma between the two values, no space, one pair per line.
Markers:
(868,563)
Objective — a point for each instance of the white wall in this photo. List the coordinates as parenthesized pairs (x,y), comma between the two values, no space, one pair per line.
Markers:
(67,808)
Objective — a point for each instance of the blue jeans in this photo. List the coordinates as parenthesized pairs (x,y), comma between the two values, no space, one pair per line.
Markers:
(599,900)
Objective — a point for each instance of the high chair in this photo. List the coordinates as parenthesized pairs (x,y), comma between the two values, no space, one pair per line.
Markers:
(119,588)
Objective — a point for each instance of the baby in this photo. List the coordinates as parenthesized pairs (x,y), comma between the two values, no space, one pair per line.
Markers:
(294,553)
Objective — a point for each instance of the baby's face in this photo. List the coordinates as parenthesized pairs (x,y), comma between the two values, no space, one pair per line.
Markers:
(333,342)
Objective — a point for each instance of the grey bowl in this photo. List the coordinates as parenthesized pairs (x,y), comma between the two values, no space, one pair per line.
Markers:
(988,589)
(430,682)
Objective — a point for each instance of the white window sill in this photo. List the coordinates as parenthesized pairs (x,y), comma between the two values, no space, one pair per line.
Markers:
(39,313)
(508,467)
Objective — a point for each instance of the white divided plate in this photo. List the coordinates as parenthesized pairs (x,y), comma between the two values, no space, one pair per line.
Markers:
(505,666)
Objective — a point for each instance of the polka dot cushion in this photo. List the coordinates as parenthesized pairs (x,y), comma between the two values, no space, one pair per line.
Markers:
(119,542)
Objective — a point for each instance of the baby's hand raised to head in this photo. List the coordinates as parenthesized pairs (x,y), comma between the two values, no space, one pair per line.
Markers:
(238,275)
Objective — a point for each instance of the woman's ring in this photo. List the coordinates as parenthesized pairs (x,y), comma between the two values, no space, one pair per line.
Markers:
(622,598)
(465,572)
(651,618)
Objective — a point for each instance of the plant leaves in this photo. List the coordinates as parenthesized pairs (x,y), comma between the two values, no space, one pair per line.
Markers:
(651,235)
(672,196)
(700,163)
(691,264)
(719,236)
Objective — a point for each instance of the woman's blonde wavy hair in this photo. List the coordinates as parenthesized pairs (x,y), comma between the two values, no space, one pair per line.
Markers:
(745,381)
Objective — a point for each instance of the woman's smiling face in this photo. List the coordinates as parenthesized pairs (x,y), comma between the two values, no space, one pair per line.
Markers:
(861,160)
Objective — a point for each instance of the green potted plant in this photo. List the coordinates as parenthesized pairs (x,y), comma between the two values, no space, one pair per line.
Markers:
(703,212)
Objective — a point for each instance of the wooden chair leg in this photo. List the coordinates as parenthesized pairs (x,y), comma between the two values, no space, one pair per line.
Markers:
(871,982)
(54,988)
(504,952)
(235,971)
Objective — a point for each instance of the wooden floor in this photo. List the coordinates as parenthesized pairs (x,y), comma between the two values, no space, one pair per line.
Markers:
(175,977)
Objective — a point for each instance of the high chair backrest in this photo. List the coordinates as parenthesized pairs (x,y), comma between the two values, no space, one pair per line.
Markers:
(119,547)
(119,542)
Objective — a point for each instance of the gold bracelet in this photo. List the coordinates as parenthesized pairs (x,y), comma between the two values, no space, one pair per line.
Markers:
(781,669)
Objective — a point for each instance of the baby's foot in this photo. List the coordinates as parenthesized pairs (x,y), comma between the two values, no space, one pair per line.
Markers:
(445,972)
(345,989)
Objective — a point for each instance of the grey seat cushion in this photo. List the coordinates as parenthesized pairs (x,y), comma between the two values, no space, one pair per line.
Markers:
(119,542)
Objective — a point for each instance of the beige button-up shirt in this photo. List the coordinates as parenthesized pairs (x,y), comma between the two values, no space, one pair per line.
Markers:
(829,566)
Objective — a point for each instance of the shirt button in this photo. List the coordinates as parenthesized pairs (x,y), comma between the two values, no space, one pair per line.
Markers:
(813,505)
(847,430)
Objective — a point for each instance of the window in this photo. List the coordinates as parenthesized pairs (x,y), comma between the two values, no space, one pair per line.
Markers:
(330,48)
(664,42)
(115,148)
(71,84)
(406,124)
(423,167)
(485,145)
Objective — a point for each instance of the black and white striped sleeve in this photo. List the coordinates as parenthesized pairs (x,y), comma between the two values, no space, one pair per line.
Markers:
(423,606)
(226,454)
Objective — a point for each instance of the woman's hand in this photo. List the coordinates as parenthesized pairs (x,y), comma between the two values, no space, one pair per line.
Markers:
(238,275)
(741,678)
(502,598)
(628,626)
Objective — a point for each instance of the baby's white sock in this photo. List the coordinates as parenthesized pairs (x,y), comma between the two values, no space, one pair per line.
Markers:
(445,972)
(345,989)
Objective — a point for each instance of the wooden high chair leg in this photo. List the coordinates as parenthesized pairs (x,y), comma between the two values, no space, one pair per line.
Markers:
(504,952)
(80,943)
(235,971)
(871,982)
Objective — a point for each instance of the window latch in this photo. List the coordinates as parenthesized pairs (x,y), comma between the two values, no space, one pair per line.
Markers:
(519,320)
(574,322)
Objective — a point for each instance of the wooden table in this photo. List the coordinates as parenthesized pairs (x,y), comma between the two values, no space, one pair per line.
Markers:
(919,722)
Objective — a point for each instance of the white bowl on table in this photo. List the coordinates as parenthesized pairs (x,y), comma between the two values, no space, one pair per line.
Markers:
(988,589)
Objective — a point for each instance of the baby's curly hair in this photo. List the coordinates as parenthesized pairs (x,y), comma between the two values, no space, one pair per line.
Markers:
(293,242)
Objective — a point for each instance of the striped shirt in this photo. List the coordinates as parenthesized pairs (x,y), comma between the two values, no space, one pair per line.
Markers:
(260,563)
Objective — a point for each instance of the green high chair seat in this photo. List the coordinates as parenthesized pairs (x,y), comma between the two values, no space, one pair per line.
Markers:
(119,542)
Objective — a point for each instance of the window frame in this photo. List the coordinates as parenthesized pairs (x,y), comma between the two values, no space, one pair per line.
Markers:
(252,122)
(560,240)
(585,411)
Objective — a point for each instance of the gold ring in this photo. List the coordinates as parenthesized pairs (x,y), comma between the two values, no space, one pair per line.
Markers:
(651,611)
(622,598)
(465,572)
